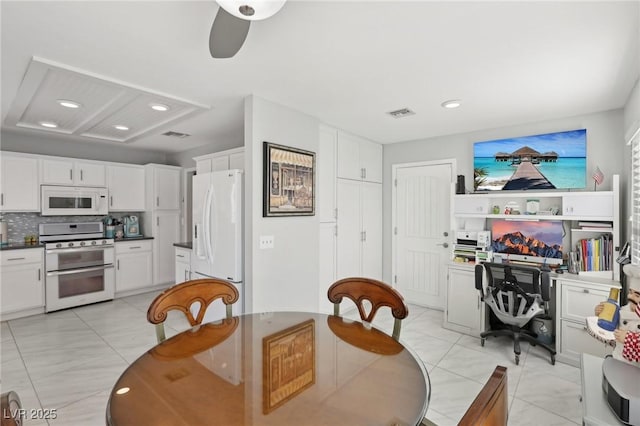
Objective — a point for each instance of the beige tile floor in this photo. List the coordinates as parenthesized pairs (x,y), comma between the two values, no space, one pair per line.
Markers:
(69,361)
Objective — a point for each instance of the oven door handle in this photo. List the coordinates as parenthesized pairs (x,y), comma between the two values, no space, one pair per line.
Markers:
(75,250)
(78,271)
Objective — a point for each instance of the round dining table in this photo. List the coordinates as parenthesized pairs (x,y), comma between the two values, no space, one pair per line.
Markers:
(276,368)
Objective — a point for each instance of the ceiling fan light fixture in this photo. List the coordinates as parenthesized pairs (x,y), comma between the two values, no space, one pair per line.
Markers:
(252,10)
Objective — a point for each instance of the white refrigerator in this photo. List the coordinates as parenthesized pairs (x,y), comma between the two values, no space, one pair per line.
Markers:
(217,234)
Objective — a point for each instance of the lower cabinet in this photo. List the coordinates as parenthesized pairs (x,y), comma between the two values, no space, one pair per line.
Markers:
(134,265)
(465,312)
(183,265)
(22,276)
(576,301)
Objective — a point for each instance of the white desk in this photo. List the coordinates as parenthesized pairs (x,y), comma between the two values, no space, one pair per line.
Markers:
(595,410)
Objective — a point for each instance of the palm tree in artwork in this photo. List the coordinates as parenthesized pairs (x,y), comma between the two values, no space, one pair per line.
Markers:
(479,177)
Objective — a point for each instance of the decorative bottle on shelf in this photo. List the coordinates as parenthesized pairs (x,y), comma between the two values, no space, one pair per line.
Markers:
(610,315)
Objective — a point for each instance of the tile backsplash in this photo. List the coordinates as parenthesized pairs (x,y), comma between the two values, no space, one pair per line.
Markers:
(21,224)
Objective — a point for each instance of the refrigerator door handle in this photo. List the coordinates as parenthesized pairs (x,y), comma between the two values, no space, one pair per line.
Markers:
(207,224)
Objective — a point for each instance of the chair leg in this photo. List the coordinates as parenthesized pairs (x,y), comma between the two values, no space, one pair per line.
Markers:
(535,342)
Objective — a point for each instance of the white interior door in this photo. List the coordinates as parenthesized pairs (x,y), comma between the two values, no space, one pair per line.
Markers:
(422,228)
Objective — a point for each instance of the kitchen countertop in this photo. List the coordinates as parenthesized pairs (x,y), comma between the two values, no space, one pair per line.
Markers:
(18,246)
(133,239)
(187,245)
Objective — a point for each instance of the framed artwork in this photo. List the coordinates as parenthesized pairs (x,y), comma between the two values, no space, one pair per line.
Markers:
(289,181)
(288,364)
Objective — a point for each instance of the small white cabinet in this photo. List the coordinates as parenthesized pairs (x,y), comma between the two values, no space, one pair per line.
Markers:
(358,158)
(576,301)
(183,264)
(20,183)
(162,187)
(134,265)
(597,204)
(465,312)
(22,275)
(126,187)
(223,160)
(65,171)
(166,232)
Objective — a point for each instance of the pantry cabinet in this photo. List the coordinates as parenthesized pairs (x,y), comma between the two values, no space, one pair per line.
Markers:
(20,183)
(358,158)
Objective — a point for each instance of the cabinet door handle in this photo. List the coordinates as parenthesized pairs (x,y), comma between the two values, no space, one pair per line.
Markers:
(185,275)
(585,290)
(111,200)
(364,173)
(118,264)
(158,201)
(16,258)
(71,174)
(2,199)
(135,247)
(158,220)
(445,245)
(478,301)
(179,255)
(39,274)
(81,175)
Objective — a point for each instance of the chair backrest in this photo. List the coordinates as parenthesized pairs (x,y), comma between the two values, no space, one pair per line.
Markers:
(375,292)
(181,296)
(514,293)
(11,406)
(490,407)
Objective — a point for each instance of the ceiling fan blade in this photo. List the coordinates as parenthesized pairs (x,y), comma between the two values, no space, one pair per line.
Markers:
(228,34)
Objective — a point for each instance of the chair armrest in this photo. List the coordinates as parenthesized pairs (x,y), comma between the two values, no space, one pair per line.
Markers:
(479,271)
(545,285)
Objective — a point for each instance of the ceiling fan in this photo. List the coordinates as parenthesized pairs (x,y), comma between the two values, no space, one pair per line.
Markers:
(231,25)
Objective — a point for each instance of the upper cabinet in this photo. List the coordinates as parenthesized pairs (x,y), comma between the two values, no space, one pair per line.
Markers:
(162,187)
(20,183)
(358,158)
(66,171)
(126,187)
(223,160)
(326,167)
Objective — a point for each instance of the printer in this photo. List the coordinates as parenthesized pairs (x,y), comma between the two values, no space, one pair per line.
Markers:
(621,385)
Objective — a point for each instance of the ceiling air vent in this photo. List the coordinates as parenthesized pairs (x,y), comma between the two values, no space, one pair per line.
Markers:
(176,134)
(399,113)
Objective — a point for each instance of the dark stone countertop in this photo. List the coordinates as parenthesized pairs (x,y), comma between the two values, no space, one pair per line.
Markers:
(18,246)
(186,245)
(133,239)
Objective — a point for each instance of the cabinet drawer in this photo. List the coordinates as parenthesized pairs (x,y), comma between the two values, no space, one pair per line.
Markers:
(183,255)
(124,247)
(576,340)
(578,302)
(17,257)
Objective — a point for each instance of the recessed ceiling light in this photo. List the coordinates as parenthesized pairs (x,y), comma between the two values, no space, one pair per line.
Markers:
(453,103)
(121,127)
(49,124)
(159,107)
(68,104)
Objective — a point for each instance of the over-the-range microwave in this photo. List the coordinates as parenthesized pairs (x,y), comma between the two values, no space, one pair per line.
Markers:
(73,200)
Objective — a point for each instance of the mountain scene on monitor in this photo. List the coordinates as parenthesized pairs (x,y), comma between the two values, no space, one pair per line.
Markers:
(517,243)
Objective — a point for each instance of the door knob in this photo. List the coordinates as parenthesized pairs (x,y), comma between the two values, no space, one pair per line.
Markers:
(445,233)
(445,245)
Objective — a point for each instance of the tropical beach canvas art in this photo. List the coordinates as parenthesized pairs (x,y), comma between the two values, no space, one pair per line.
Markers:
(548,161)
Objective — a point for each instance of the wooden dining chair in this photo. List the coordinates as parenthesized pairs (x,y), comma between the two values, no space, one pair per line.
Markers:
(11,406)
(181,296)
(490,408)
(376,292)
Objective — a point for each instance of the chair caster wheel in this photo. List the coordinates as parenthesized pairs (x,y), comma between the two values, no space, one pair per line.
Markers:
(517,359)
(553,360)
(482,342)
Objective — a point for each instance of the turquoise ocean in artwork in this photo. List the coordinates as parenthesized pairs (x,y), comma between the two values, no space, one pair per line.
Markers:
(567,172)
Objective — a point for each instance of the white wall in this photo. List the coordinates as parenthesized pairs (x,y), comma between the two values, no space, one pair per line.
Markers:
(285,277)
(632,112)
(605,149)
(58,146)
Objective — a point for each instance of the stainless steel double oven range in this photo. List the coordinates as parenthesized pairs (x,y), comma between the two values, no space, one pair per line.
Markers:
(79,262)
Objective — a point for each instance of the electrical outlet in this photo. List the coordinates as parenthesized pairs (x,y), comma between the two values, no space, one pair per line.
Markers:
(266,242)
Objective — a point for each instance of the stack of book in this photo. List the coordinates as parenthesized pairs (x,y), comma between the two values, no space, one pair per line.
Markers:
(465,252)
(596,254)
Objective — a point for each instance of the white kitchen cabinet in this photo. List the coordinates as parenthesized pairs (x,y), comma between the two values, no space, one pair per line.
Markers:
(223,160)
(20,183)
(126,185)
(162,187)
(22,275)
(134,265)
(183,264)
(67,171)
(465,312)
(327,249)
(358,158)
(359,239)
(165,232)
(326,167)
(577,300)
(597,204)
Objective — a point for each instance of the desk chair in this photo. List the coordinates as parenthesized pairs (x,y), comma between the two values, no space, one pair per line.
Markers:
(515,294)
(376,292)
(11,415)
(490,408)
(181,296)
